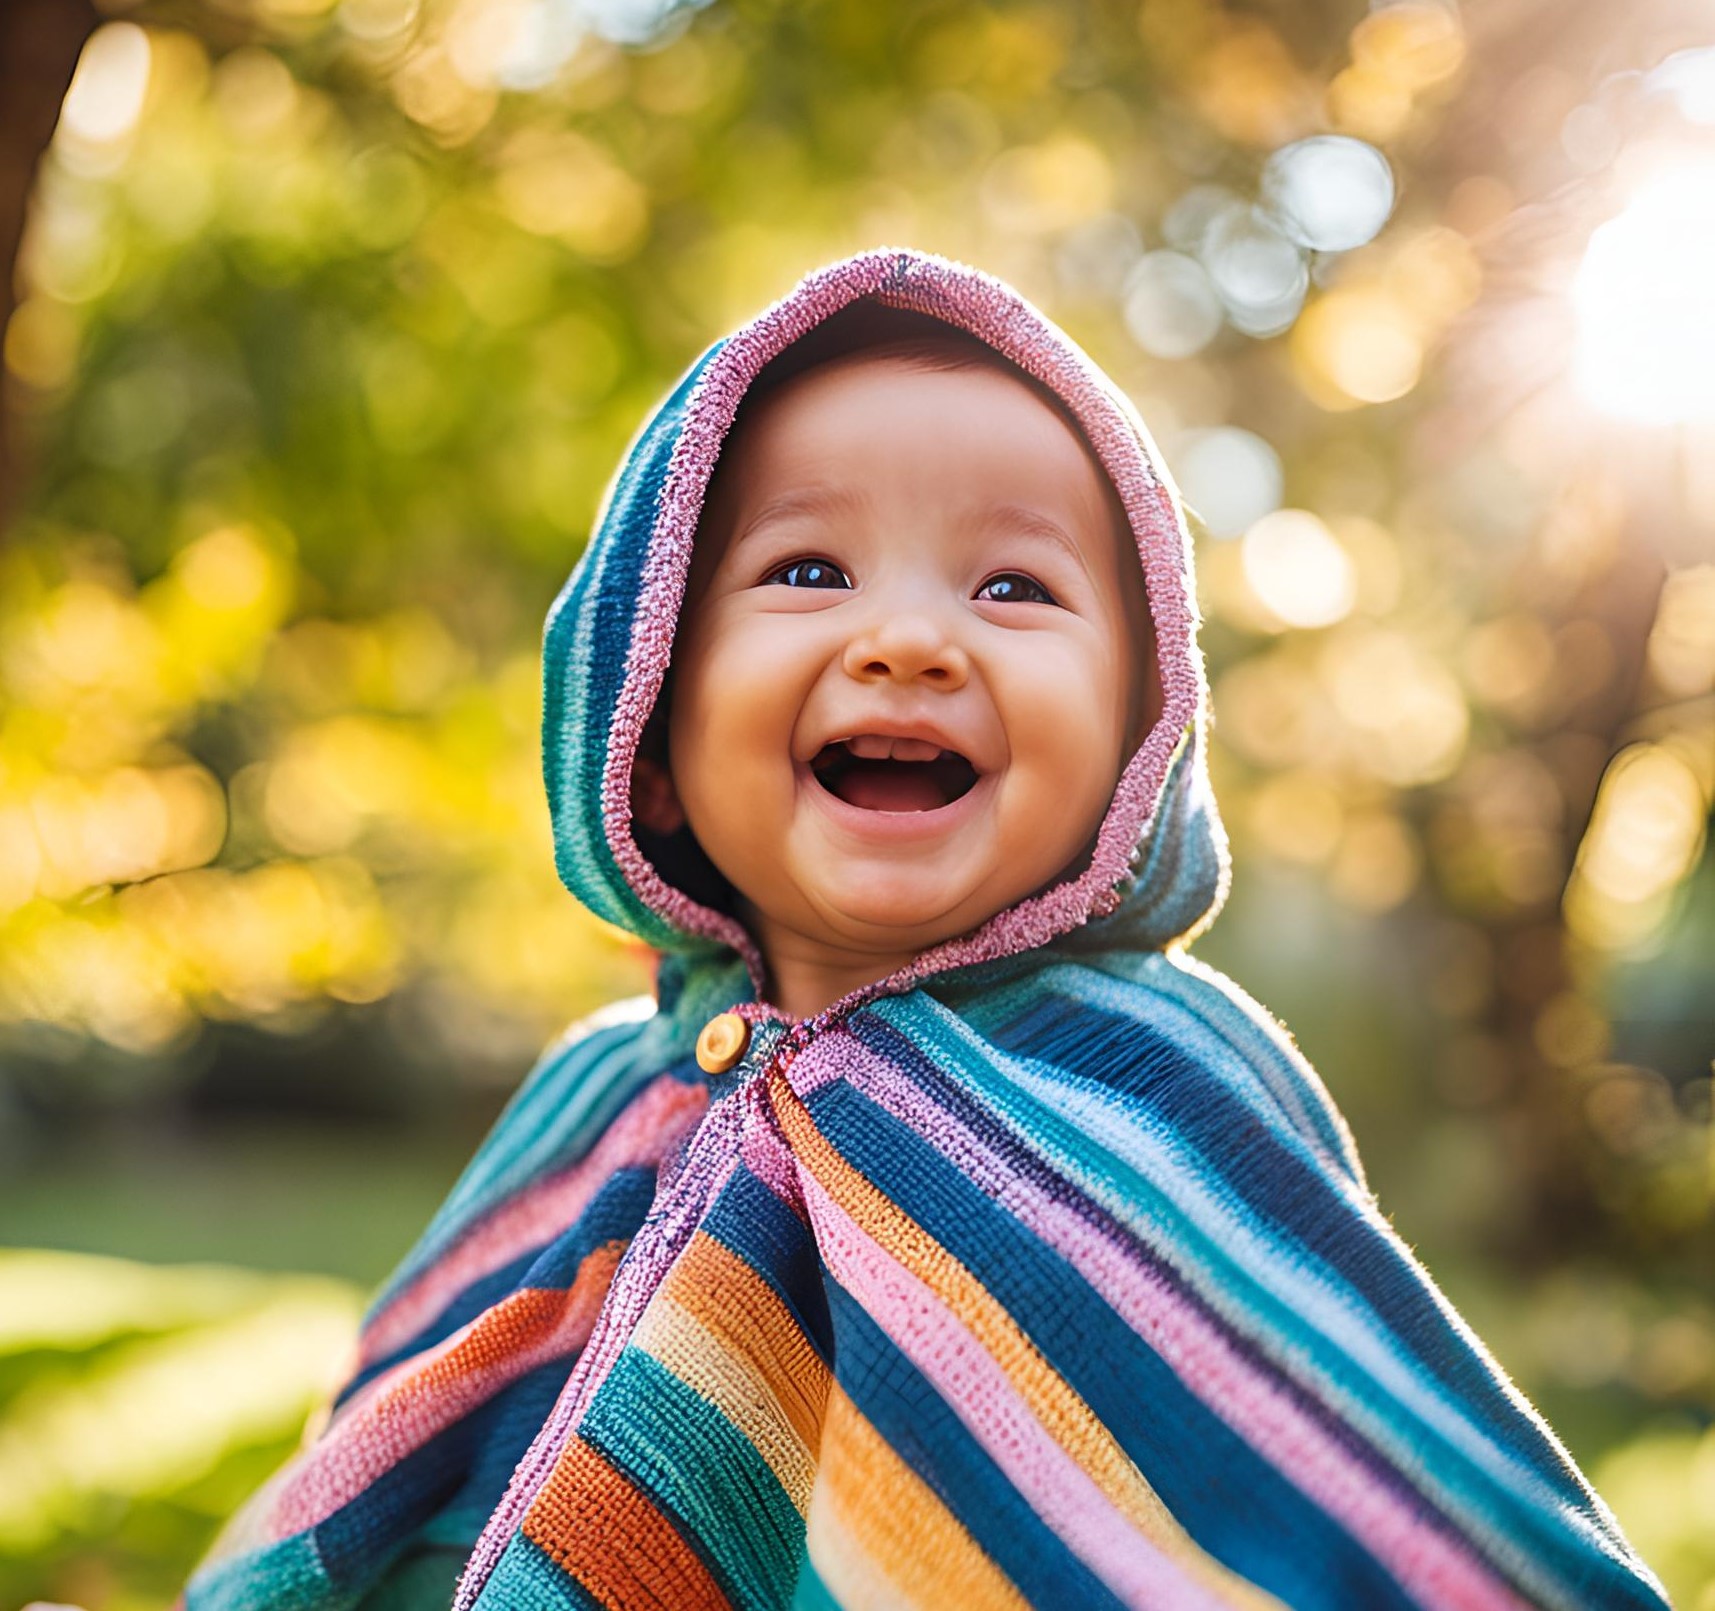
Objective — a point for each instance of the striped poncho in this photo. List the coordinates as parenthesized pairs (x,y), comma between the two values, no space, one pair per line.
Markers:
(1039,1273)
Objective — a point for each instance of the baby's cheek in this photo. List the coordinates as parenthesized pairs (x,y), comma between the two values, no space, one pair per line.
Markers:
(732,732)
(720,685)
(1064,733)
(1067,705)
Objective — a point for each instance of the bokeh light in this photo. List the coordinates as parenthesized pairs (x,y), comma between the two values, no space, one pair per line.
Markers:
(1405,708)
(1230,478)
(1330,193)
(1259,274)
(1044,189)
(106,94)
(1646,320)
(1403,54)
(1358,345)
(1298,569)
(1171,307)
(1645,836)
(1681,648)
(1689,77)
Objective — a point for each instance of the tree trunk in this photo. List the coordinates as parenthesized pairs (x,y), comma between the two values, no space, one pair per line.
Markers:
(40,41)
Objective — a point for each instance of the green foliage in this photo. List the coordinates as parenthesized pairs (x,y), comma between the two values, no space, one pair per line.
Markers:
(139,1406)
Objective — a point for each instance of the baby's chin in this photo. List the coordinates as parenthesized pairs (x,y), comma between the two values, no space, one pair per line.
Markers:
(899,908)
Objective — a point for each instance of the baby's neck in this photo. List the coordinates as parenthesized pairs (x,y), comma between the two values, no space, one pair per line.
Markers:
(806,975)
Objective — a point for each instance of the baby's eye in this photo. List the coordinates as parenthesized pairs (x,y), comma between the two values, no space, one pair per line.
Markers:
(808,573)
(1012,587)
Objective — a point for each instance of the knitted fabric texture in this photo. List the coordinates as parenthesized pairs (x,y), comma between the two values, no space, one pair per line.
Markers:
(1040,1273)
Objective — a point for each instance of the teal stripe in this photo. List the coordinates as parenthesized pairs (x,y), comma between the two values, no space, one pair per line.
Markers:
(811,1593)
(586,649)
(526,1579)
(1143,1000)
(287,1576)
(701,1471)
(1247,1028)
(1152,988)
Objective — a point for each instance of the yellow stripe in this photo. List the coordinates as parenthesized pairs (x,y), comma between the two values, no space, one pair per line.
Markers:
(1063,1414)
(736,1305)
(880,1538)
(733,1385)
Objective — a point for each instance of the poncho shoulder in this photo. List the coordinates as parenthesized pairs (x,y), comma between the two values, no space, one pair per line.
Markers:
(1041,1273)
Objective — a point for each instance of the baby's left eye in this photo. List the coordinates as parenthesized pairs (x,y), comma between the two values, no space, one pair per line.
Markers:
(808,573)
(1012,587)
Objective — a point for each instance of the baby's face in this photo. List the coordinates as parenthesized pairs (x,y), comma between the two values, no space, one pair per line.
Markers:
(913,658)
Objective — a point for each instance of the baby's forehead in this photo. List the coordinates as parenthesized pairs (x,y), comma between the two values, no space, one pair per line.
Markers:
(867,333)
(926,368)
(821,437)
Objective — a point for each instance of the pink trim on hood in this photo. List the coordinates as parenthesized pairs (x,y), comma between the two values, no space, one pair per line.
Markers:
(990,309)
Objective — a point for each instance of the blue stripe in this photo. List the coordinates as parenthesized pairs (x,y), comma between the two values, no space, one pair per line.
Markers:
(471,1459)
(1212,1031)
(1232,1018)
(1235,1504)
(1131,1060)
(517,1416)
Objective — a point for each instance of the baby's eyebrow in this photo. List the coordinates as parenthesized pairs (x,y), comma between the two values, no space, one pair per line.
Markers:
(804,501)
(1027,522)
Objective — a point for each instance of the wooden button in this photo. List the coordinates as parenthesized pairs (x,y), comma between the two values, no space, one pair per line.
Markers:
(722,1043)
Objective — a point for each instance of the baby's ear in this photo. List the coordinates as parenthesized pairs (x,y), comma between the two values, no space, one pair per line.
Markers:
(654,800)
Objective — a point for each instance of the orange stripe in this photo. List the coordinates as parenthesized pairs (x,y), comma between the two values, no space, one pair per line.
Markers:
(521,1320)
(746,1314)
(599,1529)
(1050,1398)
(880,1537)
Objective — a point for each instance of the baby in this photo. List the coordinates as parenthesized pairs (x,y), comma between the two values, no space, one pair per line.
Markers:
(938,1233)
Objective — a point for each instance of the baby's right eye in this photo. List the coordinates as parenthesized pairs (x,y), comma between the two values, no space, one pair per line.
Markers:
(808,573)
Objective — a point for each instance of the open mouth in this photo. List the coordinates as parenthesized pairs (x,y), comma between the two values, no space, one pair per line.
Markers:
(881,781)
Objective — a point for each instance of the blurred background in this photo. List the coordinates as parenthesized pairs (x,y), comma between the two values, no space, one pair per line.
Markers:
(326,322)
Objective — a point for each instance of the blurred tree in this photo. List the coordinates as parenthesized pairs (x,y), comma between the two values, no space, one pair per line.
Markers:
(335,315)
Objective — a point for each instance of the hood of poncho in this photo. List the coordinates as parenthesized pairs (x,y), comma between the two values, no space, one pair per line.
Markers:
(1159,869)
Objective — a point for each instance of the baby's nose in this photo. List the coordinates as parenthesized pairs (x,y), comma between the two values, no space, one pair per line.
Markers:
(907,648)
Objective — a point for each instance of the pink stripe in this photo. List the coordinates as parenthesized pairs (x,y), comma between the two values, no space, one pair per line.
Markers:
(1432,1567)
(642,1134)
(1061,1492)
(478,1361)
(990,309)
(769,1158)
